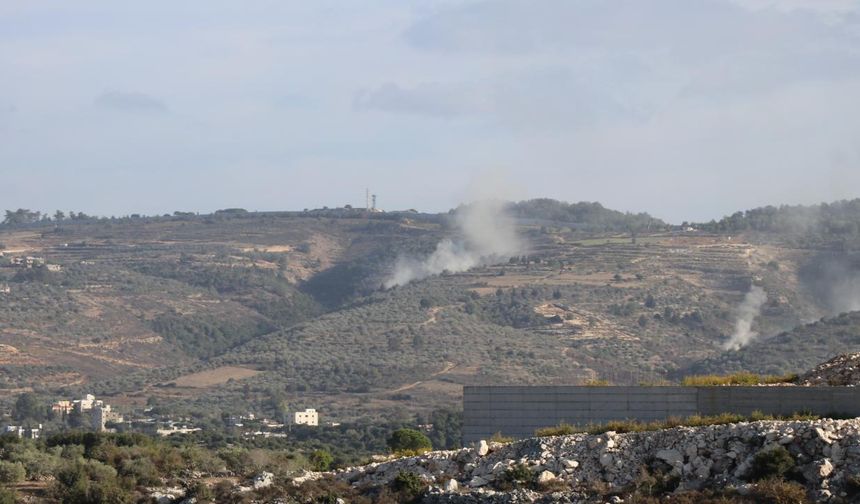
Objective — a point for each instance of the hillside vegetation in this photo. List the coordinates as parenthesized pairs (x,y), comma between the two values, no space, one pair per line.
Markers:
(295,300)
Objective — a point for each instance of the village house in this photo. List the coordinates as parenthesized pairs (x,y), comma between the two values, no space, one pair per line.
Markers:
(24,432)
(94,411)
(62,407)
(307,417)
(27,262)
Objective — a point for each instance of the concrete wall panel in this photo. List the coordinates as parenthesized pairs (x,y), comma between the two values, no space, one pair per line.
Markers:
(519,410)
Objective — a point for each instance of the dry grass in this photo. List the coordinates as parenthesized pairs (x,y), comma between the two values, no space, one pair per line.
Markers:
(499,438)
(217,376)
(597,383)
(736,379)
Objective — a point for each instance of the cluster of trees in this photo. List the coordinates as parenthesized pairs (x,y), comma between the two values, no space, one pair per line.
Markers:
(841,218)
(23,216)
(584,215)
(205,336)
(261,290)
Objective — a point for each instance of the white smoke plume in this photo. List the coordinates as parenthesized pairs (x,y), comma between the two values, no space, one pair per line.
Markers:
(749,309)
(487,235)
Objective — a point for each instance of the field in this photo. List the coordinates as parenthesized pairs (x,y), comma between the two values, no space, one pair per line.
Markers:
(214,377)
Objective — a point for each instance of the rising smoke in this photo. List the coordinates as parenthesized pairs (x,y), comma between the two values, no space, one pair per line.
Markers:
(834,278)
(749,309)
(487,235)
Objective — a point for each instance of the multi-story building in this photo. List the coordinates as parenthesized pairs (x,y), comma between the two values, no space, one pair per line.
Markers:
(62,407)
(306,417)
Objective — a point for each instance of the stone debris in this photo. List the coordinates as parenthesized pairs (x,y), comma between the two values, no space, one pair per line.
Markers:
(827,453)
(166,495)
(263,480)
(842,370)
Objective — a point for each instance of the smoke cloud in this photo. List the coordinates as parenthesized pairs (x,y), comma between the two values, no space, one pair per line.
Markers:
(845,296)
(487,235)
(834,279)
(749,309)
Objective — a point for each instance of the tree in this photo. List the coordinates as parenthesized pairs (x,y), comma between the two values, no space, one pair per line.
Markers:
(59,215)
(21,216)
(409,440)
(8,496)
(321,460)
(650,302)
(11,472)
(28,407)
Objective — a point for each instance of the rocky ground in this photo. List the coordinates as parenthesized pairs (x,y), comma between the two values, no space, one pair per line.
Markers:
(824,457)
(842,370)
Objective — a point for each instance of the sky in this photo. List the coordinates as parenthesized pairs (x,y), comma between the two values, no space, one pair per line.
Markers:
(686,109)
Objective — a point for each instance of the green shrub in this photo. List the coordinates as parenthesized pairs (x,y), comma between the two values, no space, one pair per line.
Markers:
(321,460)
(12,472)
(8,496)
(773,462)
(90,482)
(516,476)
(411,440)
(202,493)
(142,470)
(656,483)
(779,491)
(409,485)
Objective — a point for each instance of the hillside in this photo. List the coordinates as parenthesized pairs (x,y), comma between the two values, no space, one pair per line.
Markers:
(790,351)
(289,307)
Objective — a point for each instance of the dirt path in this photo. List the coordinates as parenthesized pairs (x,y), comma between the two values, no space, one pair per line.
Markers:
(448,367)
(434,312)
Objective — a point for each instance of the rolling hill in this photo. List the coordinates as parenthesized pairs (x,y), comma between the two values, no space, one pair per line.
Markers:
(290,307)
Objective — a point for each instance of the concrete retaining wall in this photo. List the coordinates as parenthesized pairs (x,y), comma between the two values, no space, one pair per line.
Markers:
(517,411)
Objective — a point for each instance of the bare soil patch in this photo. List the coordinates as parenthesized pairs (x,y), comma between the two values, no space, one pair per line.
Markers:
(213,377)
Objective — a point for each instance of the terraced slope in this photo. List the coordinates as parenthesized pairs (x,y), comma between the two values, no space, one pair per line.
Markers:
(295,303)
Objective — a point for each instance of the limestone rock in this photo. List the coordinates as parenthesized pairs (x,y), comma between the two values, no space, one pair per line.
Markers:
(478,481)
(451,485)
(263,480)
(545,477)
(671,457)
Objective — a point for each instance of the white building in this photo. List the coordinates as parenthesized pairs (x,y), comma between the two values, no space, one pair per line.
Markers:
(101,415)
(24,432)
(306,417)
(87,403)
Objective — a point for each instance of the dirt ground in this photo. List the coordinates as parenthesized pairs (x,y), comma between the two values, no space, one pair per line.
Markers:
(213,377)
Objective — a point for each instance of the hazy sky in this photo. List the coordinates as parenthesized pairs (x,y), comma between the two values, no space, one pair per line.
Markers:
(688,109)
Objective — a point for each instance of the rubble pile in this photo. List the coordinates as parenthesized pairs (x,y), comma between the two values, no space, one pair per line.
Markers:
(842,370)
(826,456)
